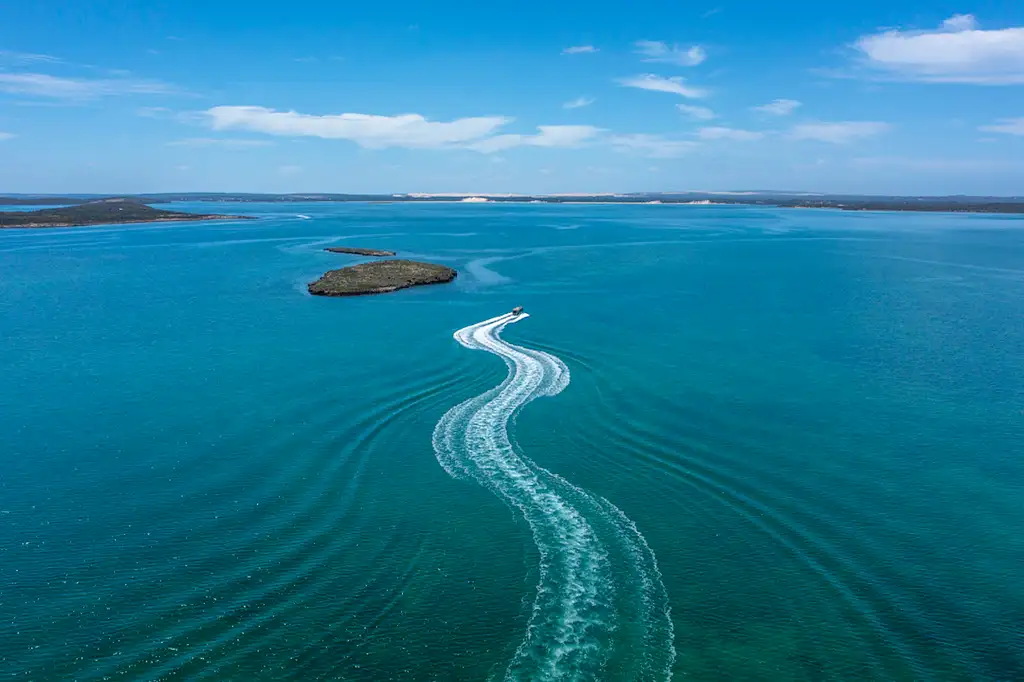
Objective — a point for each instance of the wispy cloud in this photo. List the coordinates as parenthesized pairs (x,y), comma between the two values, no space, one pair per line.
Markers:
(723,133)
(652,146)
(316,59)
(655,51)
(696,112)
(227,143)
(580,49)
(938,165)
(28,57)
(956,52)
(547,136)
(166,114)
(578,103)
(154,112)
(779,107)
(366,130)
(6,136)
(289,170)
(45,85)
(711,12)
(675,85)
(1007,126)
(838,132)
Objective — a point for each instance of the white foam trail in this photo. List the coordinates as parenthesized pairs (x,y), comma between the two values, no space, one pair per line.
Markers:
(589,550)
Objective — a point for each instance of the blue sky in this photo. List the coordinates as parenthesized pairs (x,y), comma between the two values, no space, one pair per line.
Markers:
(894,97)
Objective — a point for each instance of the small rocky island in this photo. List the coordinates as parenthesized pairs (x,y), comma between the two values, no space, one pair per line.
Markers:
(380,277)
(358,252)
(102,212)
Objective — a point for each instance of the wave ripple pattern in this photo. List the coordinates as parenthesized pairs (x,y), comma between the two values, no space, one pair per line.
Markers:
(601,607)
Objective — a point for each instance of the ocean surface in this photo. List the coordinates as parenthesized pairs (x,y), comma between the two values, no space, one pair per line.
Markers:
(727,443)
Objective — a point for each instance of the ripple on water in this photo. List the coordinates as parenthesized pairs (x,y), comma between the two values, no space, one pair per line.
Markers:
(286,543)
(738,474)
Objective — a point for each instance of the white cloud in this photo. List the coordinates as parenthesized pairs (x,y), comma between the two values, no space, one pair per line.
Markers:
(956,52)
(410,131)
(838,132)
(219,142)
(653,146)
(289,170)
(373,132)
(5,136)
(722,133)
(655,51)
(696,112)
(1008,126)
(580,49)
(44,85)
(548,136)
(779,107)
(674,85)
(579,102)
(960,22)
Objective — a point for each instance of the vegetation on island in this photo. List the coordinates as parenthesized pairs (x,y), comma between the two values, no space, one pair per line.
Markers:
(380,277)
(101,212)
(46,200)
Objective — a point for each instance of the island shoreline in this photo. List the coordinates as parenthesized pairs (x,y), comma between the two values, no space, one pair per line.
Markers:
(204,218)
(116,211)
(356,251)
(380,277)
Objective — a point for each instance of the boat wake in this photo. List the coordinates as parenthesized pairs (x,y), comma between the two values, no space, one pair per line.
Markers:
(600,604)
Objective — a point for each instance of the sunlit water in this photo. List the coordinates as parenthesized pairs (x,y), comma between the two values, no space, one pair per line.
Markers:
(792,447)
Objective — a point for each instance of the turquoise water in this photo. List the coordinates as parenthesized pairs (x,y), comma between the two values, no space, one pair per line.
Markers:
(737,443)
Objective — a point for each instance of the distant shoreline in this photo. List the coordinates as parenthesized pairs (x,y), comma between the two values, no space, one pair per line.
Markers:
(944,204)
(995,208)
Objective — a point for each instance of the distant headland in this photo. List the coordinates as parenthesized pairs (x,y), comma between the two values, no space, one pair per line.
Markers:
(768,199)
(100,212)
(380,277)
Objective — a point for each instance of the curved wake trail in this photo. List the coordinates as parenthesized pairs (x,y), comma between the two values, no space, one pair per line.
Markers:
(600,599)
